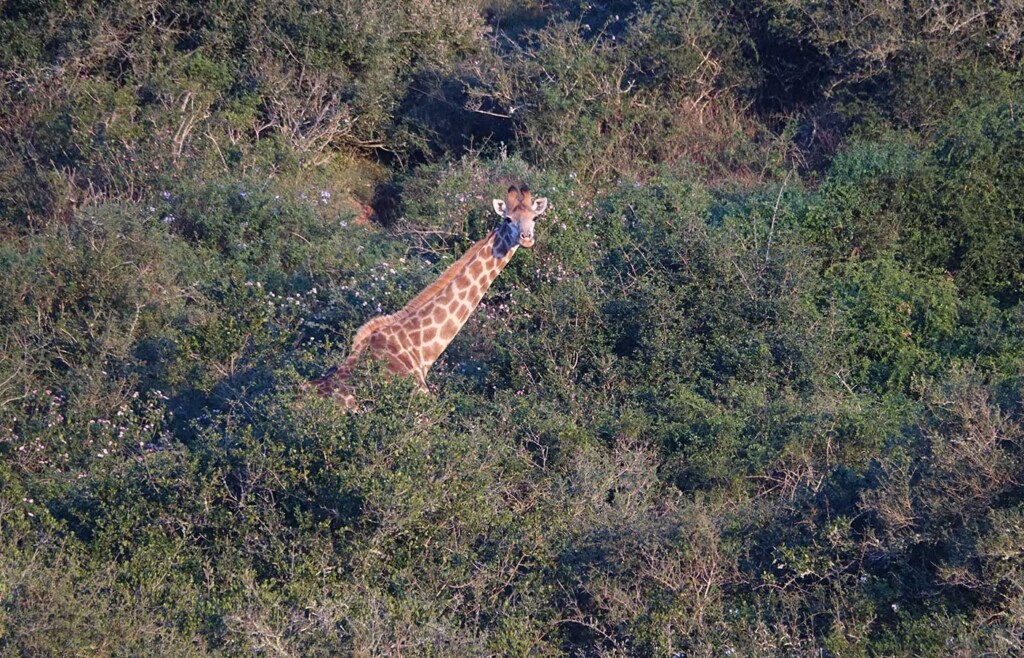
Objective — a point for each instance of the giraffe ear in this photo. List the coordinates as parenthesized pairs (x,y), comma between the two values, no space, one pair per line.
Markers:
(540,204)
(499,207)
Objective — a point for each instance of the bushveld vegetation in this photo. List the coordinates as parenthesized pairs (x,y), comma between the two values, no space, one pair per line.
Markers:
(757,391)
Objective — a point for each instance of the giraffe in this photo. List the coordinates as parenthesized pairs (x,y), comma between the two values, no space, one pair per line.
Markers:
(412,339)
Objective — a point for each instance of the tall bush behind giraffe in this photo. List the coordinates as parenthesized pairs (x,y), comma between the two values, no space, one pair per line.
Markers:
(755,390)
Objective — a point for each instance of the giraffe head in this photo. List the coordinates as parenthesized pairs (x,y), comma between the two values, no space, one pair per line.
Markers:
(519,210)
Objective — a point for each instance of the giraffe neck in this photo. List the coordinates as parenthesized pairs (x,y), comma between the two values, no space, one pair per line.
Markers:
(433,323)
(414,337)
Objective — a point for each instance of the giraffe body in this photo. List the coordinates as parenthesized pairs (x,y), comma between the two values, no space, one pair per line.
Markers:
(411,340)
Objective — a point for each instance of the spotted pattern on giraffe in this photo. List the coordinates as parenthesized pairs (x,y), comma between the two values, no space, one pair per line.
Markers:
(412,339)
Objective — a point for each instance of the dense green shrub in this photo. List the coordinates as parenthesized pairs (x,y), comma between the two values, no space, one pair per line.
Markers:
(951,204)
(113,101)
(756,390)
(617,90)
(902,61)
(897,325)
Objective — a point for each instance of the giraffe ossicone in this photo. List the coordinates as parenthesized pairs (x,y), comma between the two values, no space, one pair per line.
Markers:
(412,339)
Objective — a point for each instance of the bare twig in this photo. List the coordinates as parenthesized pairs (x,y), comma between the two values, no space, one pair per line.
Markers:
(775,213)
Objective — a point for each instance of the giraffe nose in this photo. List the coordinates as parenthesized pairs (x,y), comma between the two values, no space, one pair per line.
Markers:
(526,239)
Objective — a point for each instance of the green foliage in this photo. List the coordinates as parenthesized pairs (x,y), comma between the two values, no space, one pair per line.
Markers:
(112,101)
(914,58)
(756,390)
(950,205)
(897,325)
(613,95)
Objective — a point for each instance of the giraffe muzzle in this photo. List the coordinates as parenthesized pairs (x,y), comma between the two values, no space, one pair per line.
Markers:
(526,240)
